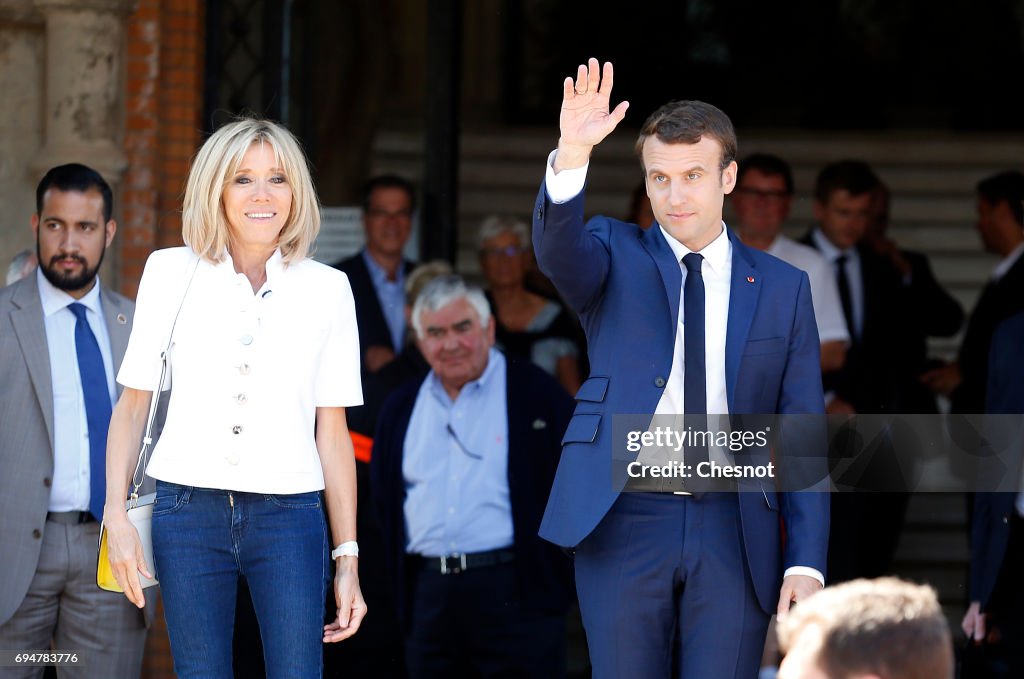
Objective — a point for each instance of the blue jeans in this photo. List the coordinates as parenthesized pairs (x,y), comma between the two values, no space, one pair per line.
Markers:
(204,540)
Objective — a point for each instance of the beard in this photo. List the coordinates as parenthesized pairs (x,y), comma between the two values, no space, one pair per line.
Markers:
(67,281)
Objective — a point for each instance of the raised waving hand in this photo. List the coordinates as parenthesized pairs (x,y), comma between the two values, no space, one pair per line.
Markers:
(586,117)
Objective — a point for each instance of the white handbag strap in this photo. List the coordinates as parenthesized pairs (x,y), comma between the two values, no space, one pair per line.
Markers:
(147,438)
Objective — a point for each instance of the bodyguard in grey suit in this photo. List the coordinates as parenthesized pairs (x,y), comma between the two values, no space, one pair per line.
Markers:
(61,334)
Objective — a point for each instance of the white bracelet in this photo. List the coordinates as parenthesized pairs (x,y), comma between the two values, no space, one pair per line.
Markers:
(350,548)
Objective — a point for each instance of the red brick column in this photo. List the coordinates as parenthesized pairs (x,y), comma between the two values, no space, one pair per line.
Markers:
(162,127)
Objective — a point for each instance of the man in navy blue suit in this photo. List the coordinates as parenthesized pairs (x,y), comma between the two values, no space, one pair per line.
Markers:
(996,613)
(679,318)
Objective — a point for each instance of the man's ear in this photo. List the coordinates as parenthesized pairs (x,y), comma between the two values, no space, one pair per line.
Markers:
(491,330)
(111,229)
(729,177)
(35,225)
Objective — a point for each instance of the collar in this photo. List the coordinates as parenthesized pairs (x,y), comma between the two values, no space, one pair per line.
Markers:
(274,266)
(716,254)
(495,364)
(379,275)
(1004,266)
(831,252)
(54,299)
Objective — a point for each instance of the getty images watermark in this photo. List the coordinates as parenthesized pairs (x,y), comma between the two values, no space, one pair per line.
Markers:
(793,453)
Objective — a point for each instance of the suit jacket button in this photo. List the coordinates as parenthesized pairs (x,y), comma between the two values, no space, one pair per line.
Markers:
(540,213)
(47,482)
(1006,519)
(36,533)
(659,382)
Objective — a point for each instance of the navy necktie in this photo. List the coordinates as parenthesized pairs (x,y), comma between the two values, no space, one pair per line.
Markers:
(97,406)
(695,399)
(843,283)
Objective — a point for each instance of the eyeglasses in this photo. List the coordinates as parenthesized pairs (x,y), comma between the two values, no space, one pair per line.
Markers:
(507,251)
(763,194)
(464,449)
(376,213)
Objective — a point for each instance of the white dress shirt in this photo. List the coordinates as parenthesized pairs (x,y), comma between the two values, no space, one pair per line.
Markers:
(70,489)
(716,269)
(249,370)
(853,274)
(828,308)
(1007,262)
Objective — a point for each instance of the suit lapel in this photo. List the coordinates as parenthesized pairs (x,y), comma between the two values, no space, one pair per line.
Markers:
(744,291)
(116,316)
(27,319)
(671,276)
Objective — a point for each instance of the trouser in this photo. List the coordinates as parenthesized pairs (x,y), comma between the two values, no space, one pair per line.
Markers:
(665,590)
(474,624)
(64,606)
(205,540)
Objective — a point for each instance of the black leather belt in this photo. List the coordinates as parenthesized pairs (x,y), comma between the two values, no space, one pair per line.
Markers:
(70,518)
(457,563)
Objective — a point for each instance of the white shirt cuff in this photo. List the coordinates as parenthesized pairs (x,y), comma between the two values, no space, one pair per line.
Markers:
(805,570)
(565,185)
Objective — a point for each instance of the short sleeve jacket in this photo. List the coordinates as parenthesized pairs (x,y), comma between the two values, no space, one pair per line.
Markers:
(247,371)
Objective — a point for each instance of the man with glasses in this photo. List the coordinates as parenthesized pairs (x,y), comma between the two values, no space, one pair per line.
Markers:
(461,468)
(377,273)
(761,203)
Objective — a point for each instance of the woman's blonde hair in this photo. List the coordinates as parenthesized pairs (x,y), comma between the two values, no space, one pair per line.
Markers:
(204,226)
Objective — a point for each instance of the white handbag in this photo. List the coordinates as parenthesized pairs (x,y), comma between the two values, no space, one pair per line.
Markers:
(140,508)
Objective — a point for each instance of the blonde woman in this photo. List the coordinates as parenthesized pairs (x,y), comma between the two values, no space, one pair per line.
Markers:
(265,359)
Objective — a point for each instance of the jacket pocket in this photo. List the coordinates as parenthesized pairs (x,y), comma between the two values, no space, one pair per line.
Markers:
(593,390)
(772,345)
(582,429)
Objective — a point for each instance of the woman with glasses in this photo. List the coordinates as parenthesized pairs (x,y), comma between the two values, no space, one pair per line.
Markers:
(528,325)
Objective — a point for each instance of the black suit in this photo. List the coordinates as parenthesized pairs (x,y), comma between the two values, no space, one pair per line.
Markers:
(538,414)
(999,300)
(373,329)
(883,364)
(881,375)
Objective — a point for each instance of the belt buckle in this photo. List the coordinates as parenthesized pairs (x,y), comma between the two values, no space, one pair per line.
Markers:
(458,564)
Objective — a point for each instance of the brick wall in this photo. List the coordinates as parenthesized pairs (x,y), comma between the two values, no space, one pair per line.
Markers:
(164,78)
(163,81)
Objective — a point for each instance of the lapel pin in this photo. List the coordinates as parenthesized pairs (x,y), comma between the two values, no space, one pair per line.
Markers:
(750,279)
(539,424)
(122,319)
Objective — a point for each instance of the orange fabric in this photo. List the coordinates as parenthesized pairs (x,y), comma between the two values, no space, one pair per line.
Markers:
(362,444)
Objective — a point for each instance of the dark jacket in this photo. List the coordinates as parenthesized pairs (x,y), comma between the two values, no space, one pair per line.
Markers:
(373,329)
(538,413)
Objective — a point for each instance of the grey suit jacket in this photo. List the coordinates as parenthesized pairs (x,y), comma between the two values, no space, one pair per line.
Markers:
(26,428)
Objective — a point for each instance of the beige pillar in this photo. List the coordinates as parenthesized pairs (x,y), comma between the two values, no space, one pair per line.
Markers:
(83,114)
(21,77)
(84,93)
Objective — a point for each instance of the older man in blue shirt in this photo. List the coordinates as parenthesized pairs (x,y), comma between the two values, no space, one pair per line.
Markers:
(461,468)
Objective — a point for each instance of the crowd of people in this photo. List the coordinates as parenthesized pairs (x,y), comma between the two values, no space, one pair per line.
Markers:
(434,420)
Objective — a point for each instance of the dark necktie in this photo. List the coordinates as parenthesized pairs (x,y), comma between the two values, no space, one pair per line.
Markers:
(97,406)
(695,398)
(843,282)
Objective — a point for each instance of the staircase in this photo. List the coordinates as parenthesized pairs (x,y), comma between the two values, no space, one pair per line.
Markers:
(932,176)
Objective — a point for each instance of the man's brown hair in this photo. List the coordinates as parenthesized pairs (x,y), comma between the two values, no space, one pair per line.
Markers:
(685,122)
(888,627)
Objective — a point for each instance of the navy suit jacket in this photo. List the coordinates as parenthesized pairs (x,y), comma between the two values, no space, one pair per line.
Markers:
(990,522)
(373,329)
(625,284)
(538,412)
